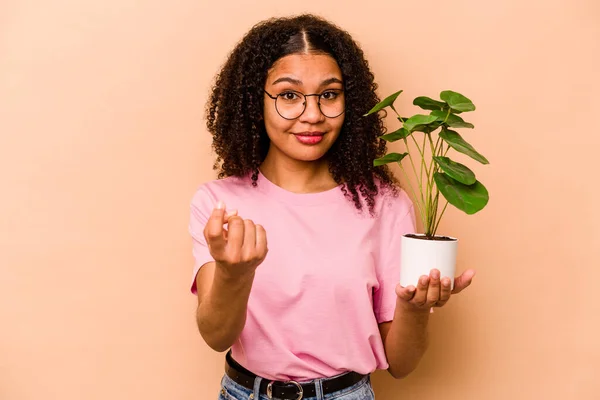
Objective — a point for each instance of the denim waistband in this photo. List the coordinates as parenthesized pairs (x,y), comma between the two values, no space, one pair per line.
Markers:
(362,390)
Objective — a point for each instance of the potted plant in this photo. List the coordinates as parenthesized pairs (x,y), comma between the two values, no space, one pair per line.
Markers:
(433,136)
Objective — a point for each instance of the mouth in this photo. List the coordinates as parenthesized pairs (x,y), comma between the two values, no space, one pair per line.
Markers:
(309,138)
(313,133)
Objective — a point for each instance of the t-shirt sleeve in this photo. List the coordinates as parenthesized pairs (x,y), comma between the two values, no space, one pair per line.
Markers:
(397,218)
(200,210)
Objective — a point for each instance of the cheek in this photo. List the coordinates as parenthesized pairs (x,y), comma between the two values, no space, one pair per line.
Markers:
(275,124)
(337,124)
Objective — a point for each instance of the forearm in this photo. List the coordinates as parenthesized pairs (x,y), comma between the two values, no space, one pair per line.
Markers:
(407,340)
(221,314)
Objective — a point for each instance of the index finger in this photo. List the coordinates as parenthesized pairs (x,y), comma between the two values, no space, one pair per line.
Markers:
(213,232)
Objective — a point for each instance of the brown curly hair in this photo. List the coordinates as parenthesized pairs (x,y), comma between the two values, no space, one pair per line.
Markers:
(235,107)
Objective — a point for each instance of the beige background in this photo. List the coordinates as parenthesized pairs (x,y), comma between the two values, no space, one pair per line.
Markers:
(102,143)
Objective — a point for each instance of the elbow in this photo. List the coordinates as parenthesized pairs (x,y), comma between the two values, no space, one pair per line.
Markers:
(403,367)
(217,339)
(218,347)
(400,373)
(218,343)
(218,335)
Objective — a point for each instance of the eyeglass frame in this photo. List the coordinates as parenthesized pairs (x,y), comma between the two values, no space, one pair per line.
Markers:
(305,101)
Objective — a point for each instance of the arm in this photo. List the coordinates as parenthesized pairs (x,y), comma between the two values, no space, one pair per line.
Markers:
(224,285)
(222,303)
(406,338)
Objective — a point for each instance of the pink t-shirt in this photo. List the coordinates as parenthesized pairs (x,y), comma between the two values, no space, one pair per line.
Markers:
(328,280)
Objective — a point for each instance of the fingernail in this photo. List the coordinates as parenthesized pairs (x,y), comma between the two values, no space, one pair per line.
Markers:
(411,289)
(424,280)
(446,282)
(220,205)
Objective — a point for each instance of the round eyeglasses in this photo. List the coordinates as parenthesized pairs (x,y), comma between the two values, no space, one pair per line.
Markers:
(291,104)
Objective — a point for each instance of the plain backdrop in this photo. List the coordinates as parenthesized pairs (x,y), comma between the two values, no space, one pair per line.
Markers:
(103,143)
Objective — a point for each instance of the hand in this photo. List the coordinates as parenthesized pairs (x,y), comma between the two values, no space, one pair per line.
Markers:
(239,249)
(431,291)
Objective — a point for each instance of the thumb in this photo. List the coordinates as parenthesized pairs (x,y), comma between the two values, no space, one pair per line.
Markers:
(463,281)
(214,227)
(405,293)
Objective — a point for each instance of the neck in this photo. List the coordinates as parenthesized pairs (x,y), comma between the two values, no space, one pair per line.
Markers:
(298,176)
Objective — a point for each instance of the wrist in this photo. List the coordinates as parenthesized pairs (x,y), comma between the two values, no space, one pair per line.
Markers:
(412,310)
(236,278)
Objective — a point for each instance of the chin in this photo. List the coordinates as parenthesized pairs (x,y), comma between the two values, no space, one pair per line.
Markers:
(311,154)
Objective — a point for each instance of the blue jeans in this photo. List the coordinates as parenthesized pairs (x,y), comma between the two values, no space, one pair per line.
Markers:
(362,390)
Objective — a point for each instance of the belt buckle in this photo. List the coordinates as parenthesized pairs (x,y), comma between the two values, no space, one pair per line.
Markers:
(270,389)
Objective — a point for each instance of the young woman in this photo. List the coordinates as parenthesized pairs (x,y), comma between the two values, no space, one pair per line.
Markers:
(314,312)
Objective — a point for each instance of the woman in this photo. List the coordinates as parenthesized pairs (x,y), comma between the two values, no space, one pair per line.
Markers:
(317,310)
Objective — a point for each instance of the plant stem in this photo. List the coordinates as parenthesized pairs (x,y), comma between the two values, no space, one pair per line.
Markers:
(439,151)
(421,153)
(419,203)
(411,160)
(437,144)
(431,203)
(423,159)
(440,218)
(435,211)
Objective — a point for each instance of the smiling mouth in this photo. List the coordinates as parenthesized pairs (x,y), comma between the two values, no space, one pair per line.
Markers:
(309,134)
(309,138)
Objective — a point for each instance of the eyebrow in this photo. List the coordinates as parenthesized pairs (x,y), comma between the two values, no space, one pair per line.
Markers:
(299,82)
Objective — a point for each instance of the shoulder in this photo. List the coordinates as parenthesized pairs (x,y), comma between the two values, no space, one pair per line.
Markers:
(392,201)
(395,214)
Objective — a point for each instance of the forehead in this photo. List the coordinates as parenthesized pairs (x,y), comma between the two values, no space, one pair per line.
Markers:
(305,67)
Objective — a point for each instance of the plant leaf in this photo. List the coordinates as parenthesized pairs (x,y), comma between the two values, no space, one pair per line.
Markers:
(456,170)
(428,128)
(467,198)
(427,103)
(388,101)
(456,141)
(457,101)
(417,120)
(396,135)
(389,158)
(453,121)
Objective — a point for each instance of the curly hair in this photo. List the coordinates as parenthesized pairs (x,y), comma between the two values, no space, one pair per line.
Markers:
(235,106)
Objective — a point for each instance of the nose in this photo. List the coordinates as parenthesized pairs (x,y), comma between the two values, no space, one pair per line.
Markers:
(312,112)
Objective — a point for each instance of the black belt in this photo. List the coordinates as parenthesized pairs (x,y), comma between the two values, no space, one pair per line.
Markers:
(287,390)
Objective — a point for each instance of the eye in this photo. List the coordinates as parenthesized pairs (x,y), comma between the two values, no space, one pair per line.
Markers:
(330,95)
(289,96)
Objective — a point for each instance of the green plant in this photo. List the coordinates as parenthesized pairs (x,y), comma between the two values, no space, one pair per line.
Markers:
(438,173)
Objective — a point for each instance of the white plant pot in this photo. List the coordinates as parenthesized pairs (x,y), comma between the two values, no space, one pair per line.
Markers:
(419,256)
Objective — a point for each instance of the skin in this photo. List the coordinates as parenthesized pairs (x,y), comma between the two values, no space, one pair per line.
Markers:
(292,165)
(239,245)
(406,337)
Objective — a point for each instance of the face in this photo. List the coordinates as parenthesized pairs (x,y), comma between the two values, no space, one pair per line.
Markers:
(311,135)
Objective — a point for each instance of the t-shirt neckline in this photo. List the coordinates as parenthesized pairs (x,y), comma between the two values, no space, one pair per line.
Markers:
(279,193)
